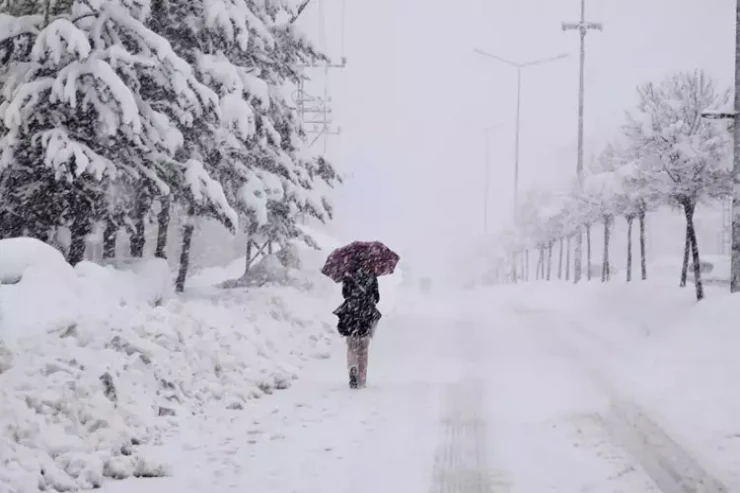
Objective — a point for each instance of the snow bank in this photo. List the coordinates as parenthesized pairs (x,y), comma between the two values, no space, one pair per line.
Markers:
(99,366)
(51,296)
(19,254)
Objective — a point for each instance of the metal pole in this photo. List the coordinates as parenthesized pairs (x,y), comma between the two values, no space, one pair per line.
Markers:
(519,67)
(516,151)
(581,92)
(486,175)
(582,27)
(578,251)
(735,262)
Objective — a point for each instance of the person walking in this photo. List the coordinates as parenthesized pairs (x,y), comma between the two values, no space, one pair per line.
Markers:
(358,318)
(357,267)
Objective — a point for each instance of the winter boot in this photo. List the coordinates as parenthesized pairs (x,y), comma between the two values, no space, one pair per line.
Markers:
(353,377)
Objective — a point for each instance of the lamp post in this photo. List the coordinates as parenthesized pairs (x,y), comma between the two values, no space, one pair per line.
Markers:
(518,66)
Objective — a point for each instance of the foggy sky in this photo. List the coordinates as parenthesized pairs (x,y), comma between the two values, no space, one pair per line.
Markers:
(414,101)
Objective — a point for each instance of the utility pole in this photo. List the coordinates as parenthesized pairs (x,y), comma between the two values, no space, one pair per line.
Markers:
(315,112)
(518,67)
(735,266)
(734,116)
(583,28)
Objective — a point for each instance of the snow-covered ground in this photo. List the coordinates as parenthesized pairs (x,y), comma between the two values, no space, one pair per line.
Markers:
(529,388)
(507,389)
(99,366)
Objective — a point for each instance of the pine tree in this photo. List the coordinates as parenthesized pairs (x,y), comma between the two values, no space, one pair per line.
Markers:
(249,54)
(92,109)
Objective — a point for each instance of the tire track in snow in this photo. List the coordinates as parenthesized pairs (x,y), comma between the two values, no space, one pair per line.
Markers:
(461,461)
(672,467)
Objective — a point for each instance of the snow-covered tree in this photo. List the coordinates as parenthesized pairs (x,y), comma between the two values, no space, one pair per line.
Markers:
(249,54)
(639,197)
(92,108)
(602,192)
(684,154)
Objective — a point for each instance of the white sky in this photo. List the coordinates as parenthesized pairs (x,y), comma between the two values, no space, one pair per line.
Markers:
(414,100)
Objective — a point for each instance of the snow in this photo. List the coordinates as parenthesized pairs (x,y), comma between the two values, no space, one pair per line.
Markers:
(95,384)
(673,355)
(498,389)
(17,255)
(238,115)
(528,388)
(11,26)
(59,38)
(253,197)
(207,190)
(61,151)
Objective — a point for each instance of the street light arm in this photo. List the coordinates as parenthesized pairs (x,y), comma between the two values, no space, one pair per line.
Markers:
(545,60)
(496,57)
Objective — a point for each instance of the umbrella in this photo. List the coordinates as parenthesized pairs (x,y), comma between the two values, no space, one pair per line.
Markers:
(373,256)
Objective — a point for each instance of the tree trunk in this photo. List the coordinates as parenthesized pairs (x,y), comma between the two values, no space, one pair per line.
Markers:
(567,260)
(187,239)
(544,262)
(163,224)
(539,267)
(630,219)
(605,274)
(249,256)
(138,237)
(643,255)
(689,209)
(560,261)
(525,265)
(79,229)
(549,261)
(110,235)
(588,251)
(686,251)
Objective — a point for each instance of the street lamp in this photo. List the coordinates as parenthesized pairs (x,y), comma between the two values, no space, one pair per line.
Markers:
(518,66)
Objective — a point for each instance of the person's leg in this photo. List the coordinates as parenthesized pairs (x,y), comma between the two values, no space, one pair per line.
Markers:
(362,350)
(353,360)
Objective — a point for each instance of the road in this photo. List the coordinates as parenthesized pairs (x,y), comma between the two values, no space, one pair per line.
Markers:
(503,398)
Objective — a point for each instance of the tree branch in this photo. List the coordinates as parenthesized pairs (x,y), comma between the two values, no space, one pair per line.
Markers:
(300,11)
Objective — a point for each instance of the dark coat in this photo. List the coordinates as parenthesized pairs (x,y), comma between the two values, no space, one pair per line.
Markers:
(359,314)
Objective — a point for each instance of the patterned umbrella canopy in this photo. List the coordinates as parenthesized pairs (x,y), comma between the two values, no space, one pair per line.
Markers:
(372,256)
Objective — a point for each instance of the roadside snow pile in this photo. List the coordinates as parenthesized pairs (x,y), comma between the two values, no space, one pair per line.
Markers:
(18,255)
(53,295)
(98,367)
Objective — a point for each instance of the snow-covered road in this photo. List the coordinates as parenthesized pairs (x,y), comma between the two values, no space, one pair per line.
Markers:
(456,403)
